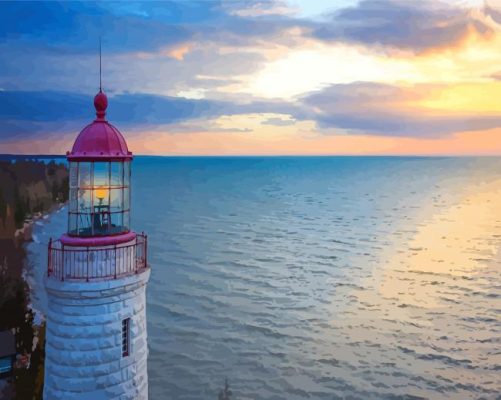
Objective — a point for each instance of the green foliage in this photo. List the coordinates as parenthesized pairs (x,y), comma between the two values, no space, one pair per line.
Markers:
(20,209)
(3,206)
(65,188)
(51,168)
(15,314)
(60,192)
(54,191)
(37,362)
(38,207)
(28,383)
(22,189)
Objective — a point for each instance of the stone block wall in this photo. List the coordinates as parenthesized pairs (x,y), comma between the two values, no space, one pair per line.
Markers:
(84,339)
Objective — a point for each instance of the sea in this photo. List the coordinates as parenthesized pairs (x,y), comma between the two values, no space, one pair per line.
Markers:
(316,277)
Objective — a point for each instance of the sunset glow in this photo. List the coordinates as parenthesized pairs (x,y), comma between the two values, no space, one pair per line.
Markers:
(414,78)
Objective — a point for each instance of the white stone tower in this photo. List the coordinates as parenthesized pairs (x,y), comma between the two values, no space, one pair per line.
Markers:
(96,342)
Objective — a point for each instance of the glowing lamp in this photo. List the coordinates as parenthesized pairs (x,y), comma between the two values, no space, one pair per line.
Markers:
(101,193)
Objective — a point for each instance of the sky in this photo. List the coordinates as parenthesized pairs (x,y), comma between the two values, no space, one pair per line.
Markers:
(281,77)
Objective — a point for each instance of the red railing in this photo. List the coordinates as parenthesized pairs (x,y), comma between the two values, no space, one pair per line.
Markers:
(91,263)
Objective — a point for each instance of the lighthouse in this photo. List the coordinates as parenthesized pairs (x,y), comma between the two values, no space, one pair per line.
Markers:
(96,341)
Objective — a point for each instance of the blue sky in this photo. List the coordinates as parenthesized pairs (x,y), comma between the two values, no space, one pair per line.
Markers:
(267,77)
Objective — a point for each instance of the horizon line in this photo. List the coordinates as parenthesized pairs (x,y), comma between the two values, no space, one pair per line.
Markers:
(273,155)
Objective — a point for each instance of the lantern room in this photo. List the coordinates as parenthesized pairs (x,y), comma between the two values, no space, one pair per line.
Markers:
(99,165)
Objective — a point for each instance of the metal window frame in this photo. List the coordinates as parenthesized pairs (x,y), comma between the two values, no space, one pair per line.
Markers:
(125,190)
(126,337)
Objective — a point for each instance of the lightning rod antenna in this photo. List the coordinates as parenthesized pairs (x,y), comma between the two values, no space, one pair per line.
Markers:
(100,85)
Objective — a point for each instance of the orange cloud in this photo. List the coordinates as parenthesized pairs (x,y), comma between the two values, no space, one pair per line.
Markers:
(286,142)
(178,52)
(309,143)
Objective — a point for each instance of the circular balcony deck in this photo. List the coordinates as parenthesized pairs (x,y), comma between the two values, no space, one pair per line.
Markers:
(70,263)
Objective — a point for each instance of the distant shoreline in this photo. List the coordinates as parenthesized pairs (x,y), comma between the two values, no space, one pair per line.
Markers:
(8,156)
(30,191)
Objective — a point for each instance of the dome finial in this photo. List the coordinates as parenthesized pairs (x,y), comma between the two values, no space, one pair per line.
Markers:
(100,85)
(100,103)
(100,100)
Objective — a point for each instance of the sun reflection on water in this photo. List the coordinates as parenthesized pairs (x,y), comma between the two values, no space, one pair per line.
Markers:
(433,303)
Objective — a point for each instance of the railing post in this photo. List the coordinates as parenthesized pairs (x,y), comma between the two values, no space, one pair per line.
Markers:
(134,257)
(145,251)
(62,262)
(115,258)
(49,264)
(88,255)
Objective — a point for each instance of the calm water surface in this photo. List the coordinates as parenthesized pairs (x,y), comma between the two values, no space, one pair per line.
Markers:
(318,278)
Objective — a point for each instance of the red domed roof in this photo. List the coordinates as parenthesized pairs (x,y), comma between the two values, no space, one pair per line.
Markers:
(100,140)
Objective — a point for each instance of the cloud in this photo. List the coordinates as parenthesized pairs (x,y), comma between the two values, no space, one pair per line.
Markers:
(259,8)
(154,47)
(30,113)
(494,13)
(163,47)
(362,107)
(388,110)
(75,27)
(157,52)
(409,25)
(496,76)
(279,121)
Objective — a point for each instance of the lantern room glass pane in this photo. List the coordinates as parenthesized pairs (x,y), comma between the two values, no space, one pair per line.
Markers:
(117,220)
(72,223)
(74,199)
(126,198)
(84,225)
(84,212)
(117,173)
(84,201)
(73,174)
(101,174)
(126,221)
(116,199)
(100,199)
(84,174)
(126,173)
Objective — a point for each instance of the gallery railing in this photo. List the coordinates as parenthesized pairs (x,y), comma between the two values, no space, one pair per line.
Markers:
(91,263)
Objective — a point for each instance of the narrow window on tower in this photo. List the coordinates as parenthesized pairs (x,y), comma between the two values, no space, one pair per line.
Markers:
(125,337)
